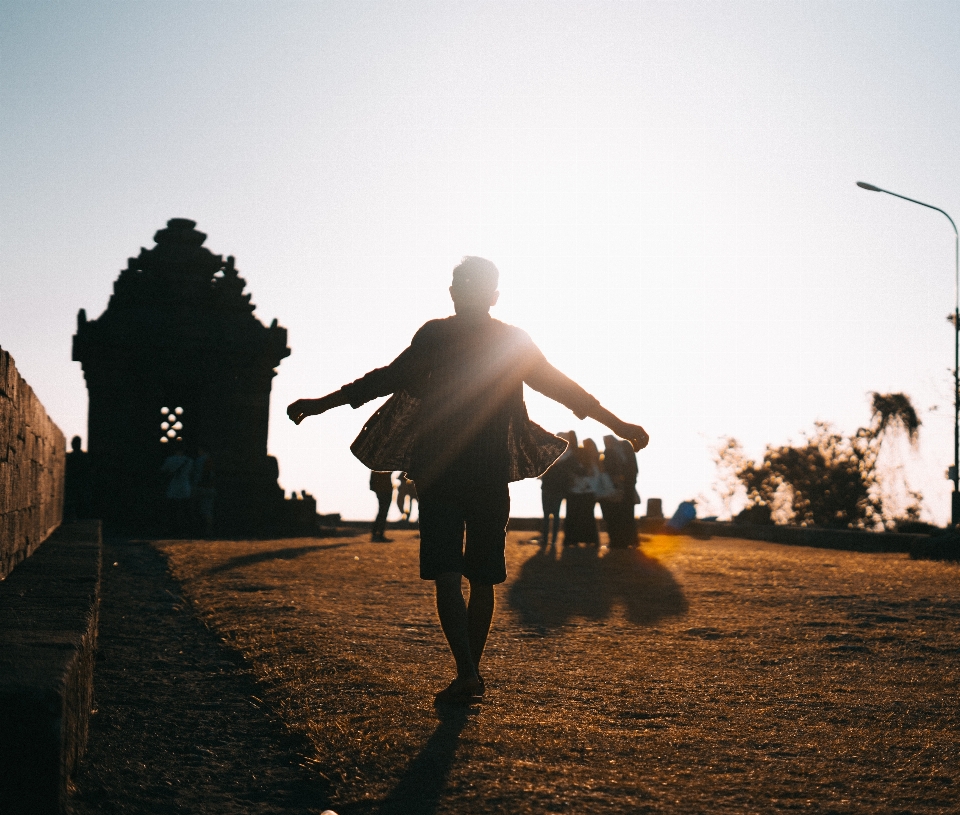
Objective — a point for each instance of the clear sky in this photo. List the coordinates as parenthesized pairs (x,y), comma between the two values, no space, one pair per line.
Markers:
(666,187)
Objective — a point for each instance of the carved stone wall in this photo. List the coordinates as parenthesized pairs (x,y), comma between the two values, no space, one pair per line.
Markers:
(179,359)
(32,457)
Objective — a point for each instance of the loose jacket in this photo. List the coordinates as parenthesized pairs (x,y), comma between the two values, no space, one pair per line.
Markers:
(457,408)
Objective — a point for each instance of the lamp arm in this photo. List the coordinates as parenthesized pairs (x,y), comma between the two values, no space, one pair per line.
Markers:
(922,204)
(956,239)
(955,475)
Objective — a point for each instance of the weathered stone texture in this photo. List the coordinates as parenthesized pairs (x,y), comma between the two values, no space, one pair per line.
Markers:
(49,611)
(32,458)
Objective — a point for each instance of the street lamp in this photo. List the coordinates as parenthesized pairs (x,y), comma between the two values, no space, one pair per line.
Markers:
(955,473)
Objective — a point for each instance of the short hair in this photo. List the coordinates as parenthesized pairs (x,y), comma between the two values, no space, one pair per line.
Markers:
(476,273)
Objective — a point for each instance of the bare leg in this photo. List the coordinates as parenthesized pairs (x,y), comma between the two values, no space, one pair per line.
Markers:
(454,621)
(479,617)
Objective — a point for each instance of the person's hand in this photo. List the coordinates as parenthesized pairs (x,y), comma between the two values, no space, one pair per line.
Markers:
(299,410)
(634,434)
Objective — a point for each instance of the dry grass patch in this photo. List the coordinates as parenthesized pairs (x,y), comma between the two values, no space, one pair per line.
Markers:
(712,676)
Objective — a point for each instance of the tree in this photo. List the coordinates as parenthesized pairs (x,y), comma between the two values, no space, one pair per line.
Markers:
(831,480)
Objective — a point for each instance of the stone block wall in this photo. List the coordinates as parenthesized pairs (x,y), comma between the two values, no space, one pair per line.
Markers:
(32,461)
(49,613)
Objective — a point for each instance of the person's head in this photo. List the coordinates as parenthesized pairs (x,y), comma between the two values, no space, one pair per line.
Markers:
(591,454)
(474,288)
(75,444)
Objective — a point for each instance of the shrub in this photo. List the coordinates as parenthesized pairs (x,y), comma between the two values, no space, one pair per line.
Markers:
(830,480)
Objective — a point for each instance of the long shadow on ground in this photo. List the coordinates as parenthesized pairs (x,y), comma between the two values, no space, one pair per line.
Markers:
(421,787)
(554,588)
(418,791)
(290,553)
(179,727)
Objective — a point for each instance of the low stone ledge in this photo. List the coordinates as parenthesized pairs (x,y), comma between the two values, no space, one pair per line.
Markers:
(852,540)
(49,610)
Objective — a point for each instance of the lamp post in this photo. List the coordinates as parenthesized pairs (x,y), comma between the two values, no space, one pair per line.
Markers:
(955,474)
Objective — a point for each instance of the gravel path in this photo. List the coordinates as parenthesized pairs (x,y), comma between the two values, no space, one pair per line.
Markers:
(179,727)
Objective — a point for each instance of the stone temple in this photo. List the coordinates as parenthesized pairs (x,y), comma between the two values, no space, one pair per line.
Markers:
(179,359)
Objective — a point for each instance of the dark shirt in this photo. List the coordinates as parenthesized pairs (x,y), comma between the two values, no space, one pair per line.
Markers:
(559,478)
(78,488)
(457,411)
(381,482)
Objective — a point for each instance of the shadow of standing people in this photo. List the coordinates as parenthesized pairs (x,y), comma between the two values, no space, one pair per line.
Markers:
(551,591)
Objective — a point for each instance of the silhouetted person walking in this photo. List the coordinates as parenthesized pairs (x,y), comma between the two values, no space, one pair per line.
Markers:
(458,425)
(555,484)
(381,483)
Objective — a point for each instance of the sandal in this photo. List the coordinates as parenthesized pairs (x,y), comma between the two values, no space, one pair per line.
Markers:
(460,692)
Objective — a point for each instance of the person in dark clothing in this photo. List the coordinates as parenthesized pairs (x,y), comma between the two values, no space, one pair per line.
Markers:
(555,483)
(178,467)
(382,484)
(78,489)
(204,491)
(457,424)
(580,525)
(620,464)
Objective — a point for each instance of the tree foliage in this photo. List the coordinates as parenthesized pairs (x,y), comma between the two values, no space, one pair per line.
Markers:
(830,480)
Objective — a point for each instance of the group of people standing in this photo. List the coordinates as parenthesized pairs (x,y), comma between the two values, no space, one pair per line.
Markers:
(583,477)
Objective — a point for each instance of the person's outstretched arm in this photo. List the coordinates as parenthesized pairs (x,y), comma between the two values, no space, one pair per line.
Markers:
(543,377)
(379,382)
(633,433)
(299,410)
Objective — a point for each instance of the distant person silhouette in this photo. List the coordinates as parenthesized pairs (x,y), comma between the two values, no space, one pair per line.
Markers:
(382,484)
(204,488)
(580,525)
(457,424)
(178,466)
(555,484)
(406,491)
(620,465)
(78,489)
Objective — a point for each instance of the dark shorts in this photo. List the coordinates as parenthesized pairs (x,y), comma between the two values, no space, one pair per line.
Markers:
(446,512)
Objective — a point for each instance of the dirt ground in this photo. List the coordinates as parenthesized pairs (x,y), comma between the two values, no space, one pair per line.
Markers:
(692,676)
